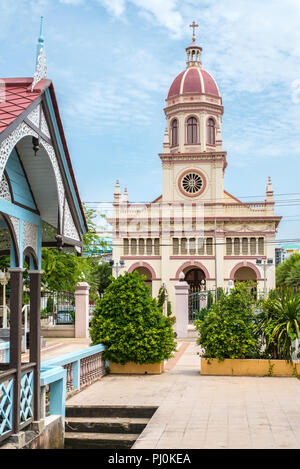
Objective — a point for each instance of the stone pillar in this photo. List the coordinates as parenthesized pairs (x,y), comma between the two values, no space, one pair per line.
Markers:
(182,308)
(82,310)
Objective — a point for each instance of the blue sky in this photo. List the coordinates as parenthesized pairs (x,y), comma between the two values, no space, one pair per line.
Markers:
(112,62)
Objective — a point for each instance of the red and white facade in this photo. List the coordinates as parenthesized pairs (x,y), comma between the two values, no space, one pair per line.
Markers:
(222,237)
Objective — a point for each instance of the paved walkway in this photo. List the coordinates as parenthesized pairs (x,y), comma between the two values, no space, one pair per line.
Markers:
(197,411)
(59,346)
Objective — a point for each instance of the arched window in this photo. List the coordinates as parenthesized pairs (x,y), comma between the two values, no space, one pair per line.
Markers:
(174,132)
(192,130)
(211,140)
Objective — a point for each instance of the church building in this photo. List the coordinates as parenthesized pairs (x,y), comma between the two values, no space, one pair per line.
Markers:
(195,230)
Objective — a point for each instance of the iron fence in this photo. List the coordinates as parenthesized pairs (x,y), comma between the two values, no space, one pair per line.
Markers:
(58,305)
(199,303)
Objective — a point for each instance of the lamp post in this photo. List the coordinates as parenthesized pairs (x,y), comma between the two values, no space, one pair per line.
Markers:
(4,279)
(265,263)
(117,266)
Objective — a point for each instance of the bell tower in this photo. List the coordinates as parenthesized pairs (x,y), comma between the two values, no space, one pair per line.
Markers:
(193,159)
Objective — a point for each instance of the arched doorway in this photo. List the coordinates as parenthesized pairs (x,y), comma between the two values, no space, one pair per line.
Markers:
(196,279)
(245,274)
(146,273)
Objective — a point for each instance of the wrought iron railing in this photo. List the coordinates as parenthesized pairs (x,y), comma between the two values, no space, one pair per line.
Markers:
(199,303)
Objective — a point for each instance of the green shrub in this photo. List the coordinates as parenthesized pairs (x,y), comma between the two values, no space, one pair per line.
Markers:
(278,323)
(228,330)
(131,324)
(50,305)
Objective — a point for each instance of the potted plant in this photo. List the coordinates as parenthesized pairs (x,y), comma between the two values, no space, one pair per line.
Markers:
(130,323)
(238,341)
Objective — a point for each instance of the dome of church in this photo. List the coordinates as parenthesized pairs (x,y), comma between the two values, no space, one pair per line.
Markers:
(193,80)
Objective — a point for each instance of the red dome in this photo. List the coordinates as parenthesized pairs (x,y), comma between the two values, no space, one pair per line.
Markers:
(193,80)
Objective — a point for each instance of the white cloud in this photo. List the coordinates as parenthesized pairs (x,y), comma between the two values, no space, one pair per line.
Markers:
(116,7)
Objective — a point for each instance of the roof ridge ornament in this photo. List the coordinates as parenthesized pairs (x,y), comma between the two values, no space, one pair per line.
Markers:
(41,64)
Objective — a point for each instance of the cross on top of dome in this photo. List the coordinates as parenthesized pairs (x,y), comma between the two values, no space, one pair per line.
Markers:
(193,50)
(194,25)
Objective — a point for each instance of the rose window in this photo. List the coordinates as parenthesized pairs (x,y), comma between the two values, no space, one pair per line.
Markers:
(192,183)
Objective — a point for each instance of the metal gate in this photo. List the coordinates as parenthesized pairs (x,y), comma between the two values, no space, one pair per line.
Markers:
(199,303)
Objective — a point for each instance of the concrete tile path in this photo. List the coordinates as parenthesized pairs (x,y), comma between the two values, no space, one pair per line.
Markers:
(59,346)
(197,411)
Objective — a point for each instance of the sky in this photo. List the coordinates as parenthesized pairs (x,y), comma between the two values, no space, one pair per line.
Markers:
(113,61)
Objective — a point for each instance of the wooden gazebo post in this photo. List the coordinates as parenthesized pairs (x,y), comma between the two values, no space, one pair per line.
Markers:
(16,281)
(35,336)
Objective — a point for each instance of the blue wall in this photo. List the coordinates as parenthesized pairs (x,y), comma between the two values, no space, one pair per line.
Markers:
(20,187)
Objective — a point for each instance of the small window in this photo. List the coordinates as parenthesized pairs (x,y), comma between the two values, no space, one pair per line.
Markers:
(261,245)
(174,132)
(211,140)
(245,246)
(192,130)
(141,246)
(252,246)
(201,246)
(149,246)
(192,246)
(209,246)
(183,246)
(156,247)
(133,247)
(237,247)
(175,246)
(126,247)
(228,246)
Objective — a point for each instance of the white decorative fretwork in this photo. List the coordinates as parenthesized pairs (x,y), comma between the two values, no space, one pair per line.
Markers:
(44,125)
(70,230)
(16,225)
(61,191)
(4,189)
(29,236)
(41,69)
(34,116)
(6,147)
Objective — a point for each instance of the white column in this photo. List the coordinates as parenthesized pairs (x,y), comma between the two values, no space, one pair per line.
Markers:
(182,308)
(82,310)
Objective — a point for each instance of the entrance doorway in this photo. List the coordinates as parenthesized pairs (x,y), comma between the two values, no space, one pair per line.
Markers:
(146,273)
(196,279)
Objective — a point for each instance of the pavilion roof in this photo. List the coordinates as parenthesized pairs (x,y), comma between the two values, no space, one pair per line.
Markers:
(16,96)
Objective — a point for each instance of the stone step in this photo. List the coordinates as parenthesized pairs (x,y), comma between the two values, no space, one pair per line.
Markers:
(105,424)
(110,411)
(80,440)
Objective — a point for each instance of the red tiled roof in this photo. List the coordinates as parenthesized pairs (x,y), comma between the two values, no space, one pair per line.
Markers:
(16,97)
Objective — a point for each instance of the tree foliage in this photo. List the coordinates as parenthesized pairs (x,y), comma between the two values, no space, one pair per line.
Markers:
(131,324)
(228,329)
(288,272)
(63,270)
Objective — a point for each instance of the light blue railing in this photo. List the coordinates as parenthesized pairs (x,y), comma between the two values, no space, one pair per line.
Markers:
(68,373)
(59,376)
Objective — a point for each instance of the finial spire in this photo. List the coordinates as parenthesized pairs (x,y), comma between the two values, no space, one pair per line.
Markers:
(194,25)
(40,63)
(193,50)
